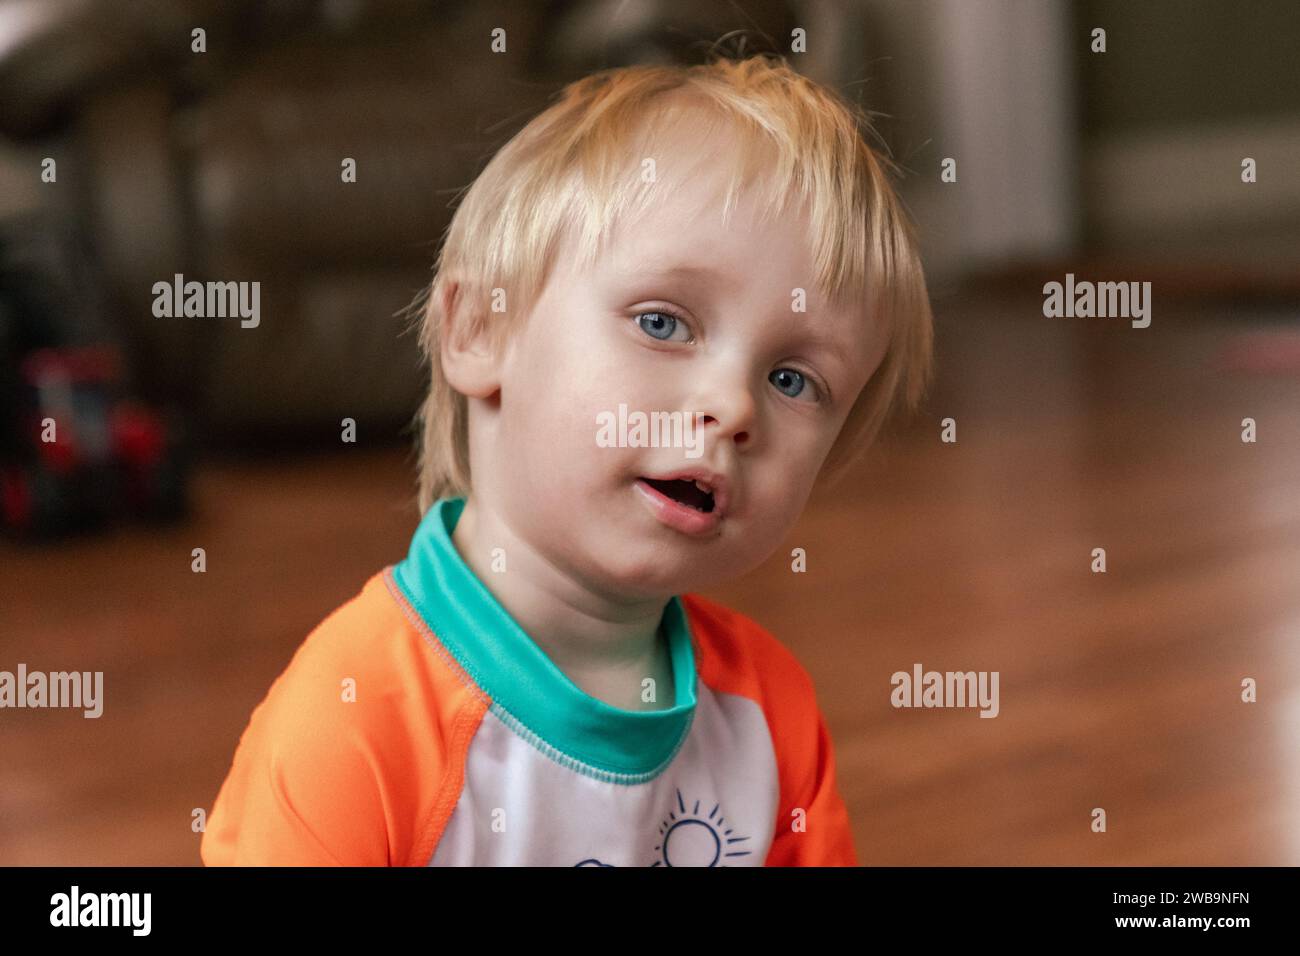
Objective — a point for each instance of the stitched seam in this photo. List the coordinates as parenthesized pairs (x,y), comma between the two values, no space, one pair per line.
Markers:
(581,766)
(430,638)
(513,722)
(466,722)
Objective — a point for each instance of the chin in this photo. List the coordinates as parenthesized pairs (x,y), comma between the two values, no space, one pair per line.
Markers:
(647,582)
(655,574)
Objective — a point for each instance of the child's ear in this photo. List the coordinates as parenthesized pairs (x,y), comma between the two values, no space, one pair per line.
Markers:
(470,360)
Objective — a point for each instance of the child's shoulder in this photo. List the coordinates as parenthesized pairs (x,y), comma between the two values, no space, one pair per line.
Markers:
(736,654)
(354,630)
(345,758)
(367,662)
(344,656)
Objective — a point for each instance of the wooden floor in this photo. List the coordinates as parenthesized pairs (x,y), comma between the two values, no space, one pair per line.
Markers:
(1118,690)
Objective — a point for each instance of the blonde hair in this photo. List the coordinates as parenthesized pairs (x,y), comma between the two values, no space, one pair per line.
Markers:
(568,167)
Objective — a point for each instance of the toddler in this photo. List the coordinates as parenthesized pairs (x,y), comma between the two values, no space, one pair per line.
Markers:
(534,684)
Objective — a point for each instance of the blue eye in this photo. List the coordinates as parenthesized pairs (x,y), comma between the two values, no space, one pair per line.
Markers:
(659,325)
(783,377)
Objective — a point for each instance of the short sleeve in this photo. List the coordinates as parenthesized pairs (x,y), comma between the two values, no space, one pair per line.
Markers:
(821,835)
(741,657)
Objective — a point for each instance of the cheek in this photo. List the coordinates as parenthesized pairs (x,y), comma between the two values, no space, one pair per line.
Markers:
(550,422)
(783,482)
(594,378)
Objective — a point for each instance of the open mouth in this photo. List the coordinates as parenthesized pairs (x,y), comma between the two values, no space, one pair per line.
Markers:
(686,492)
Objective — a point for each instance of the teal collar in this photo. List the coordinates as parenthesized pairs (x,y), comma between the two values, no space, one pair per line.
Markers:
(527,690)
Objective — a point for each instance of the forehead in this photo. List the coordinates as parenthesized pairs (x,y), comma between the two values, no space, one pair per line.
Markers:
(688,232)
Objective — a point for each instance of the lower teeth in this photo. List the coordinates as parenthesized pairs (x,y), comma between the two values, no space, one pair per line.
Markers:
(702,509)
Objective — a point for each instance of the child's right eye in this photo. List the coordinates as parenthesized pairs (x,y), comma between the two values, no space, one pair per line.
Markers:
(659,324)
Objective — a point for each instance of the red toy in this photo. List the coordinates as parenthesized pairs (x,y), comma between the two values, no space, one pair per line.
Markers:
(82,452)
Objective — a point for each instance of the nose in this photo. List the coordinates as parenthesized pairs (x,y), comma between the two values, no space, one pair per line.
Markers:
(728,408)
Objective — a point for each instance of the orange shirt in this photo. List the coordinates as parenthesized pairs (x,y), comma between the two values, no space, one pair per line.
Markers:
(419,725)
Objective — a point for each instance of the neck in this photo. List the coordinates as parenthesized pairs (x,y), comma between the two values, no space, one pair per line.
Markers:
(605,645)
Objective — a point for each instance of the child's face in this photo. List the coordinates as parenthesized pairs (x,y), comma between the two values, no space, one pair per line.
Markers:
(582,352)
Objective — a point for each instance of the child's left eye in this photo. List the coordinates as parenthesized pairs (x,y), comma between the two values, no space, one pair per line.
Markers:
(659,324)
(797,381)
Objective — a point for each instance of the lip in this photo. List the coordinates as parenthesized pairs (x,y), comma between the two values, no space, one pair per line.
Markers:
(682,517)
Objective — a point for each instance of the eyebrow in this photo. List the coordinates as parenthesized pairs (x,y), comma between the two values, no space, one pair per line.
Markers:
(687,271)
